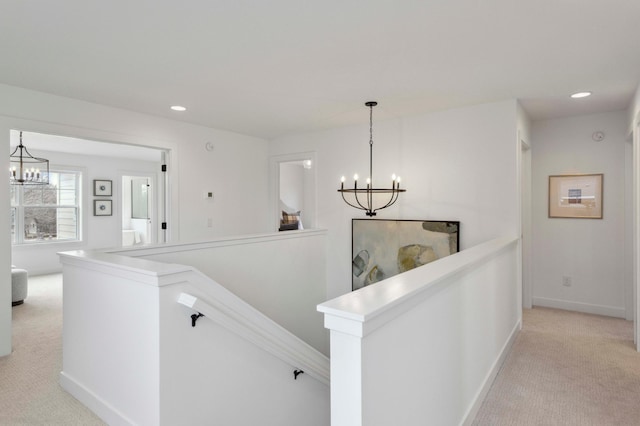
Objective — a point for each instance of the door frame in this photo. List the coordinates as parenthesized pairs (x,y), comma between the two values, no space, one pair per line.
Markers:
(635,130)
(526,222)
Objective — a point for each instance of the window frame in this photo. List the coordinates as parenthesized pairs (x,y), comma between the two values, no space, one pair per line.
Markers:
(18,210)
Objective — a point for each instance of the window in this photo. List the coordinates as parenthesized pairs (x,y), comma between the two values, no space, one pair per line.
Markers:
(47,213)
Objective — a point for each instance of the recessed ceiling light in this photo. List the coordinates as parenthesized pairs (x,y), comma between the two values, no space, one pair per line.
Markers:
(178,108)
(581,95)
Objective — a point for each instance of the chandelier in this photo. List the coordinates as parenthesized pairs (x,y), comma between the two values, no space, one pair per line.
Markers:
(363,198)
(25,169)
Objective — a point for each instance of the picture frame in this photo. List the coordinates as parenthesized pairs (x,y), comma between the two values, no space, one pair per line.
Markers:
(382,248)
(576,196)
(102,208)
(102,188)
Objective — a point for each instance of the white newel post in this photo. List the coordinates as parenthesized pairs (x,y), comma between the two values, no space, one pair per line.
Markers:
(350,324)
(346,370)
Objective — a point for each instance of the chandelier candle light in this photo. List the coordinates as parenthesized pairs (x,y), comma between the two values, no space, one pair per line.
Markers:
(25,169)
(362,198)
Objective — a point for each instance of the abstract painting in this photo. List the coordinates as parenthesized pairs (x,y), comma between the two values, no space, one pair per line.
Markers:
(384,248)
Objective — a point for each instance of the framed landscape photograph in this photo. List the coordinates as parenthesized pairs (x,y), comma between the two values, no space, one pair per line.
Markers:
(576,196)
(102,207)
(383,248)
(102,188)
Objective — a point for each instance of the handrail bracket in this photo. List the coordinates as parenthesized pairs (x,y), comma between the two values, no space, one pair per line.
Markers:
(194,318)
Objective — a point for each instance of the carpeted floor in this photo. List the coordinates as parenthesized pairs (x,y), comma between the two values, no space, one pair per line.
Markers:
(567,368)
(29,389)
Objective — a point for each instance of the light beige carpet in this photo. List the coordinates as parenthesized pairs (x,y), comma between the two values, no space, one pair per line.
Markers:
(29,389)
(567,368)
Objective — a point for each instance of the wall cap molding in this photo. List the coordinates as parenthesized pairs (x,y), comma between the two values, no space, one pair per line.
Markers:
(360,312)
(217,242)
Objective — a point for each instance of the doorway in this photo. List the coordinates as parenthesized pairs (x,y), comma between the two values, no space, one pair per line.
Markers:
(138,210)
(293,185)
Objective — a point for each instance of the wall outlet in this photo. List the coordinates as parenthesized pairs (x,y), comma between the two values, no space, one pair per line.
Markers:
(209,222)
(566,281)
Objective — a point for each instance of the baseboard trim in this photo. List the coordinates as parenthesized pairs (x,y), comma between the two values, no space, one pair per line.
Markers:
(100,407)
(609,311)
(491,376)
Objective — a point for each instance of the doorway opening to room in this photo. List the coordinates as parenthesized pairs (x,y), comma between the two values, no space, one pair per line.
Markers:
(63,215)
(294,189)
(139,211)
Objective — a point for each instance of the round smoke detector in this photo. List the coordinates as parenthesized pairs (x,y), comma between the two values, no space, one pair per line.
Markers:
(597,136)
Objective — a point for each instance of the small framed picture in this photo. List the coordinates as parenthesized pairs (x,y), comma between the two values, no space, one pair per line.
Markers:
(102,207)
(102,188)
(575,196)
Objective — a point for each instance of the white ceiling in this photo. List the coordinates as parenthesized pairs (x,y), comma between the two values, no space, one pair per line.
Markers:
(35,142)
(268,68)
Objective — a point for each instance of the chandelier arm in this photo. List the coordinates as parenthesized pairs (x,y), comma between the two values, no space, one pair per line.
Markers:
(16,150)
(352,205)
(392,200)
(368,207)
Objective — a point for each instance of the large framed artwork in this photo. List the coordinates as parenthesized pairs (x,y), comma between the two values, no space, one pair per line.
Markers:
(575,196)
(383,248)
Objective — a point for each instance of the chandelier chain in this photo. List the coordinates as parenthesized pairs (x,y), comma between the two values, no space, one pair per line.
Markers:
(370,124)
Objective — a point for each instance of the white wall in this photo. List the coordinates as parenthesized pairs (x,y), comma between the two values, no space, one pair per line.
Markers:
(212,376)
(424,347)
(459,164)
(590,251)
(98,358)
(99,231)
(131,355)
(237,165)
(283,275)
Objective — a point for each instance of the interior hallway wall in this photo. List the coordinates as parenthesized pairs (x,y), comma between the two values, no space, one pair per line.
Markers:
(238,164)
(589,251)
(459,164)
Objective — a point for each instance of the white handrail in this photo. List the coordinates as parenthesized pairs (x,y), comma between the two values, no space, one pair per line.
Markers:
(375,304)
(257,328)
